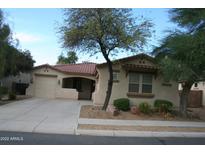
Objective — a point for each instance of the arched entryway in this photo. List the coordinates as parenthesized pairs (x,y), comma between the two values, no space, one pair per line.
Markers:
(84,86)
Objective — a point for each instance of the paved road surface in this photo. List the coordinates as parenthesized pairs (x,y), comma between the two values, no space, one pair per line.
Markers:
(54,139)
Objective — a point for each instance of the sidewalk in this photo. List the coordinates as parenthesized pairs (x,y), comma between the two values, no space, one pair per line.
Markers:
(140,122)
(145,123)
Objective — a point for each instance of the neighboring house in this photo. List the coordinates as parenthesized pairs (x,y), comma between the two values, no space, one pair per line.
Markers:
(136,78)
(197,93)
(17,84)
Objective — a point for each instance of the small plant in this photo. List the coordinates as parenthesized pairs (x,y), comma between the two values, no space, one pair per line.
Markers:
(122,104)
(12,96)
(163,106)
(145,108)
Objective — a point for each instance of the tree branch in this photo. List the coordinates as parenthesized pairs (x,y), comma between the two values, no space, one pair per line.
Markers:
(112,48)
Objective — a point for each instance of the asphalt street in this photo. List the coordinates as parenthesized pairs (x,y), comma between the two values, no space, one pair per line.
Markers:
(19,138)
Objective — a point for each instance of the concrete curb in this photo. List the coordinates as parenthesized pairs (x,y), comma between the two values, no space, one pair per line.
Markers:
(138,133)
(140,123)
(67,132)
(94,132)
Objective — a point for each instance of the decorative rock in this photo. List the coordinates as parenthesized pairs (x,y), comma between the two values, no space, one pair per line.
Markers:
(134,110)
(116,112)
(113,110)
(110,108)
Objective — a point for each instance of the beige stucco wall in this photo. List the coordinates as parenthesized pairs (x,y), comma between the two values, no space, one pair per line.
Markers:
(66,93)
(120,88)
(201,86)
(60,92)
(30,90)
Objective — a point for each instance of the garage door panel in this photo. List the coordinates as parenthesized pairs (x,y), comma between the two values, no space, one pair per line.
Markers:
(45,86)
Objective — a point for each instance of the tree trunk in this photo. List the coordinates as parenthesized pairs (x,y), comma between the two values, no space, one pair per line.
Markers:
(109,87)
(184,99)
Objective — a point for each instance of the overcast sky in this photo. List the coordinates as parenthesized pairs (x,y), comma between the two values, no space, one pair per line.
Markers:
(37,31)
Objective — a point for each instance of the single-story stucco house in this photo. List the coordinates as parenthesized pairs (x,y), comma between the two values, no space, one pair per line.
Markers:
(136,77)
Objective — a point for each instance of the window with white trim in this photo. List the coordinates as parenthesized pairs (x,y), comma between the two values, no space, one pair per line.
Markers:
(115,76)
(134,80)
(146,83)
(140,83)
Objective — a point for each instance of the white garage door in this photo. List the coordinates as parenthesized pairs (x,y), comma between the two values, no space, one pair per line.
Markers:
(45,86)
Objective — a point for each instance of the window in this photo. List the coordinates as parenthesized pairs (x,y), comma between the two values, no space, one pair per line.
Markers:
(140,83)
(146,83)
(195,85)
(115,76)
(134,79)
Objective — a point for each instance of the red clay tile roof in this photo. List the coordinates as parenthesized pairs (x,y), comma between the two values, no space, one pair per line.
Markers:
(81,68)
(84,68)
(89,68)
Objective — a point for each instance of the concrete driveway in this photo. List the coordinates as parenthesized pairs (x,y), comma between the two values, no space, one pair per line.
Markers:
(41,115)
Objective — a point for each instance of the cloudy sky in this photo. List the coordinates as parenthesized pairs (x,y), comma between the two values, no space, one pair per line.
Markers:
(37,29)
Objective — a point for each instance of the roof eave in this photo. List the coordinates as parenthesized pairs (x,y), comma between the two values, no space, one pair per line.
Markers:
(142,55)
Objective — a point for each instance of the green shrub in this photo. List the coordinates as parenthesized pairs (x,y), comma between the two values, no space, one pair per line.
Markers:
(122,104)
(145,108)
(12,96)
(163,105)
(3,90)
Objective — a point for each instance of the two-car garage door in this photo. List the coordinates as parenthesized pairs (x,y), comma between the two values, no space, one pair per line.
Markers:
(45,86)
